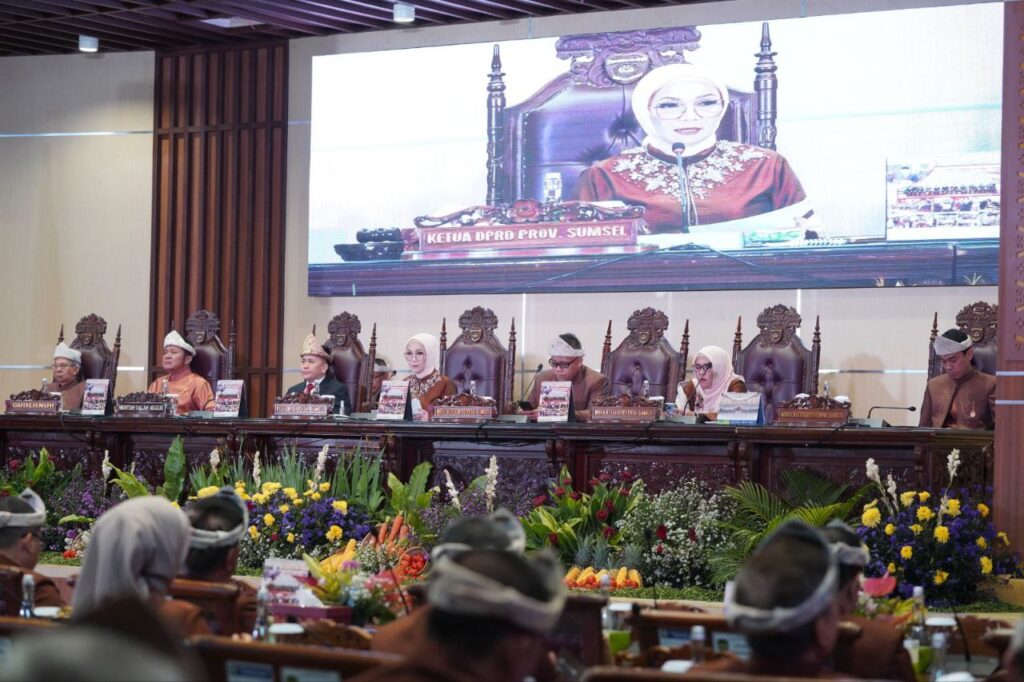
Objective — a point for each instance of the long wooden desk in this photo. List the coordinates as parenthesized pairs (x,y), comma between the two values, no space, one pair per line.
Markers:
(661,453)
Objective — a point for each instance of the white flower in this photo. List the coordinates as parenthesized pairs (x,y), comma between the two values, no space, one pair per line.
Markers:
(321,458)
(106,467)
(890,486)
(256,469)
(452,492)
(953,463)
(492,482)
(872,471)
(214,459)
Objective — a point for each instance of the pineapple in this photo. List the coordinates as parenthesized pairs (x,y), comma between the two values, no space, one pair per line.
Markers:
(632,555)
(601,553)
(583,553)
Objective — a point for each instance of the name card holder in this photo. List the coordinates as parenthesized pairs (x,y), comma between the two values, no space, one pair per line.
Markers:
(813,410)
(152,405)
(615,414)
(33,405)
(463,414)
(311,409)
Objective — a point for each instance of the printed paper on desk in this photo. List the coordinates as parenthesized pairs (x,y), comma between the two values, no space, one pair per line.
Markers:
(95,400)
(555,401)
(228,399)
(394,400)
(741,408)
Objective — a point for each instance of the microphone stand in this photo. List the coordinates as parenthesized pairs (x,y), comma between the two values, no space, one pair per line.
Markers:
(876,423)
(526,390)
(684,189)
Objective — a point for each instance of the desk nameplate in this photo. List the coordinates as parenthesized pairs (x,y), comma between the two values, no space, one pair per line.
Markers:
(462,414)
(47,407)
(630,415)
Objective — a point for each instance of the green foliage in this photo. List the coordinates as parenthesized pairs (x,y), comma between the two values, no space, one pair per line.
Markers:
(174,471)
(410,499)
(129,484)
(357,478)
(35,474)
(289,471)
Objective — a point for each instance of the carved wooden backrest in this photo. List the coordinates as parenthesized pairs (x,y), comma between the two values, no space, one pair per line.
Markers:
(10,591)
(776,360)
(980,321)
(213,360)
(218,602)
(98,360)
(644,354)
(477,355)
(351,364)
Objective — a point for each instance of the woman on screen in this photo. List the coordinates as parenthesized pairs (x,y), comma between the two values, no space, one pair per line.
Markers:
(712,376)
(679,108)
(425,382)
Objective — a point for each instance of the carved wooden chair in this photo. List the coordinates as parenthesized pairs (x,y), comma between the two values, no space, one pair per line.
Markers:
(218,602)
(213,360)
(980,321)
(221,654)
(578,629)
(98,360)
(477,355)
(351,364)
(776,361)
(584,115)
(644,355)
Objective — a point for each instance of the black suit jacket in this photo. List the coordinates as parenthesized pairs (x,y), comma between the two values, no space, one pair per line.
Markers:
(329,386)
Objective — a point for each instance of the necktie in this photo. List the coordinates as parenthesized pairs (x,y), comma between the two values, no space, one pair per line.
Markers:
(309,387)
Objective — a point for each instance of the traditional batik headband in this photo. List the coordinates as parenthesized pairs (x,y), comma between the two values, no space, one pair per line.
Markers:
(32,519)
(559,348)
(845,554)
(946,346)
(208,539)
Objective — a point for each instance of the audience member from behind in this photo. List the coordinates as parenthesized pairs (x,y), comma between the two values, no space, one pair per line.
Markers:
(21,540)
(877,653)
(67,377)
(962,397)
(491,610)
(137,548)
(784,600)
(1013,658)
(218,523)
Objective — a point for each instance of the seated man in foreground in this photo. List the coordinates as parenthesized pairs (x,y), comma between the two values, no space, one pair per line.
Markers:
(21,529)
(566,361)
(961,397)
(67,377)
(218,523)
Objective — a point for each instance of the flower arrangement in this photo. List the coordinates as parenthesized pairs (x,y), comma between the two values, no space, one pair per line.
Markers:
(946,542)
(374,598)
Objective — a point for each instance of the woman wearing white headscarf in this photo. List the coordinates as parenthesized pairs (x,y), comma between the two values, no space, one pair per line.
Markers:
(712,376)
(680,104)
(136,549)
(426,383)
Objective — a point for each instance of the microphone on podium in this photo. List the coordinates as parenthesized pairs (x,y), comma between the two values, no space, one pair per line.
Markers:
(875,423)
(909,408)
(522,397)
(678,148)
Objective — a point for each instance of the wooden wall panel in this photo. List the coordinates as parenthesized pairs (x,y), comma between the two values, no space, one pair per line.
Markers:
(220,154)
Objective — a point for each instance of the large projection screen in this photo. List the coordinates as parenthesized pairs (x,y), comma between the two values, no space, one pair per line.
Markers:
(884,171)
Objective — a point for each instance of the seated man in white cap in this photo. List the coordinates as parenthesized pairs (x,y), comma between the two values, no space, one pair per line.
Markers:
(67,377)
(490,613)
(193,391)
(784,600)
(21,527)
(566,364)
(317,376)
(961,397)
(218,524)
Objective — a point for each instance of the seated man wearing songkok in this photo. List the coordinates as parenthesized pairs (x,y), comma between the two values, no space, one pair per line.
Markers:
(490,612)
(218,523)
(962,397)
(784,600)
(193,391)
(566,364)
(317,376)
(381,372)
(67,377)
(876,652)
(21,527)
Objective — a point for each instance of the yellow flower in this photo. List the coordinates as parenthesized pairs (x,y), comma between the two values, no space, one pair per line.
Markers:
(340,505)
(270,487)
(333,533)
(906,552)
(986,565)
(297,501)
(309,493)
(940,577)
(871,517)
(924,495)
(290,537)
(239,484)
(980,542)
(207,491)
(907,498)
(891,568)
(924,513)
(284,508)
(916,529)
(291,493)
(324,487)
(953,507)
(872,503)
(889,529)
(983,509)
(941,534)
(259,498)
(268,519)
(315,496)
(253,533)
(1002,536)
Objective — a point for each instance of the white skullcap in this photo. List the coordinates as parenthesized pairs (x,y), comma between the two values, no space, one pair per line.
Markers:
(175,339)
(65,351)
(206,539)
(32,519)
(559,348)
(944,346)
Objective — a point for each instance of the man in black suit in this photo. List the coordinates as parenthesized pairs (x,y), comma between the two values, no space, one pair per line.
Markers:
(317,376)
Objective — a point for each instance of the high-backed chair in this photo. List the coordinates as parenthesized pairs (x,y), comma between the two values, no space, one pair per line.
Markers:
(98,361)
(644,355)
(980,321)
(218,601)
(477,355)
(584,115)
(776,361)
(351,364)
(213,360)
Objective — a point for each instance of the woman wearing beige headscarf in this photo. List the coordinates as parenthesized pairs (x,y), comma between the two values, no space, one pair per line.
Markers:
(137,548)
(712,376)
(426,383)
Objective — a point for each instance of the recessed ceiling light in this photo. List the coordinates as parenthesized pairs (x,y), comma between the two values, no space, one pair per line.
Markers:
(231,22)
(403,13)
(88,43)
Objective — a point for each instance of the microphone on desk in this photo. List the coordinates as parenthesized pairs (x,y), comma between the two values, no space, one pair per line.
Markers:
(875,423)
(678,149)
(522,397)
(910,408)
